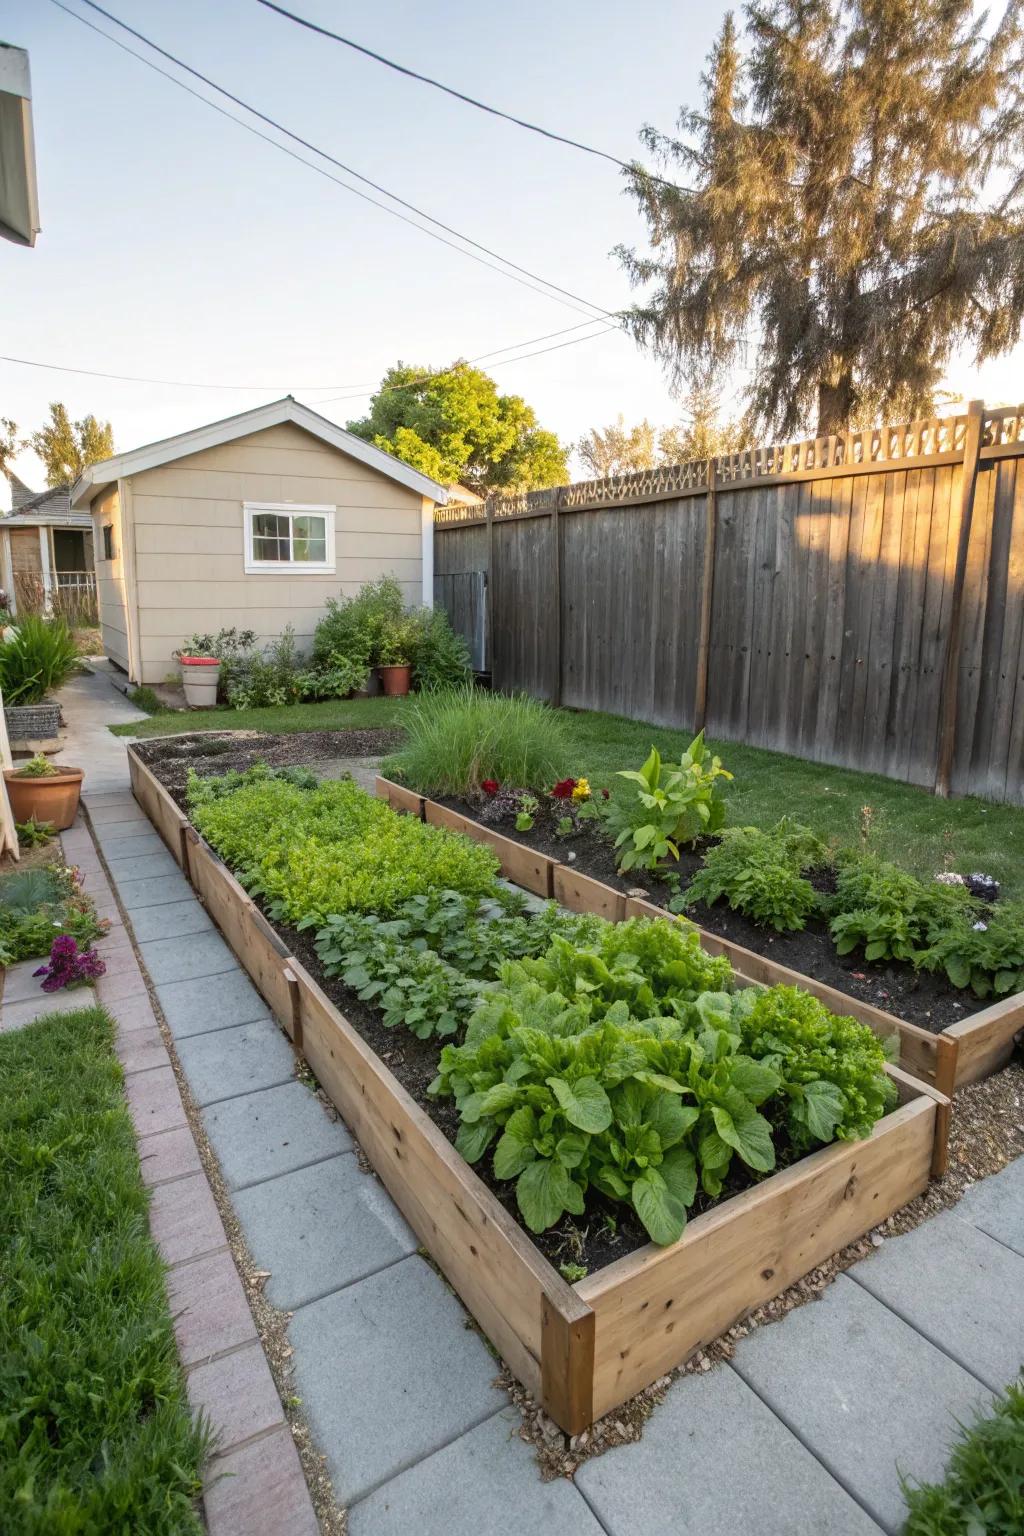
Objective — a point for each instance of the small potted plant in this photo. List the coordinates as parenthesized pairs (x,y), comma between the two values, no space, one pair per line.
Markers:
(394,660)
(200,673)
(43,791)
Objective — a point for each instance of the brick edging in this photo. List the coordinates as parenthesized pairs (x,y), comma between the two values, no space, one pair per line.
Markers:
(254,1482)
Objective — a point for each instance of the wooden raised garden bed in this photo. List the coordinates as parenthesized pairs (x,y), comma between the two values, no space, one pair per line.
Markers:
(579,1349)
(962,1053)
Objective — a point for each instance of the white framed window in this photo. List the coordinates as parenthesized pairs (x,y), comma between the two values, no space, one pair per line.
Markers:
(288,537)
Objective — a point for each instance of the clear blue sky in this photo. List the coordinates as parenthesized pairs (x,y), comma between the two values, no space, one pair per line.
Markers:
(175,244)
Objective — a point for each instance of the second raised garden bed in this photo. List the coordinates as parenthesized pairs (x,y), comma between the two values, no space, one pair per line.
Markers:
(962,1053)
(581,1349)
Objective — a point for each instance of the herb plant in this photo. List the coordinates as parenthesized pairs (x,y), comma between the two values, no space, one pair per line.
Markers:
(889,911)
(457,739)
(983,950)
(669,806)
(759,874)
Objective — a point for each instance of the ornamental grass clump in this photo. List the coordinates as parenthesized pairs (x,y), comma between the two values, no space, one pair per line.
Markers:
(457,739)
(312,852)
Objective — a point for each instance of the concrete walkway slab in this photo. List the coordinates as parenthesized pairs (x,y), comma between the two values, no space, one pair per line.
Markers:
(388,1372)
(320,1228)
(942,1279)
(184,957)
(22,985)
(141,866)
(131,845)
(229,1062)
(996,1206)
(714,1461)
(212,1002)
(864,1392)
(173,921)
(153,890)
(17,1015)
(483,1484)
(260,1135)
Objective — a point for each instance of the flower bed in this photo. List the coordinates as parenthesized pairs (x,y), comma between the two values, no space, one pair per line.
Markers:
(583,1348)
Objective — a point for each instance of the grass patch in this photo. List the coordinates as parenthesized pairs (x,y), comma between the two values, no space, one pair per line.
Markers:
(906,824)
(95,1429)
(983,1491)
(330,715)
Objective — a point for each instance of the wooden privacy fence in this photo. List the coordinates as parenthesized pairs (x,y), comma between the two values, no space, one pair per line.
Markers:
(857,599)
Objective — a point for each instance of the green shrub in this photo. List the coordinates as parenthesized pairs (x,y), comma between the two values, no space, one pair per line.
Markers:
(440,656)
(982,949)
(668,806)
(759,874)
(355,627)
(36,660)
(313,852)
(888,911)
(983,1492)
(456,739)
(145,698)
(334,678)
(38,906)
(267,679)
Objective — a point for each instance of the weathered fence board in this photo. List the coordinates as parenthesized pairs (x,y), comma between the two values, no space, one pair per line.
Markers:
(833,578)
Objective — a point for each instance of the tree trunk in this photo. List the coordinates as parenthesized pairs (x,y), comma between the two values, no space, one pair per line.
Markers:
(835,405)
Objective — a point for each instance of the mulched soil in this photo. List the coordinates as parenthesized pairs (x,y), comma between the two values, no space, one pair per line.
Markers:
(915,996)
(220,751)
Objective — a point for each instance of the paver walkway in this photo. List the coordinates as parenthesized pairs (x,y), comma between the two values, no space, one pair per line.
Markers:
(807,1430)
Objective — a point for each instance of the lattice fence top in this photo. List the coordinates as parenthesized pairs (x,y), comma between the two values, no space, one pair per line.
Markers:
(928,438)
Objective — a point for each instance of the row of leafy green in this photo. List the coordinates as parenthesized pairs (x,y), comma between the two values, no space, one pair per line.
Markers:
(591,1056)
(877,906)
(38,906)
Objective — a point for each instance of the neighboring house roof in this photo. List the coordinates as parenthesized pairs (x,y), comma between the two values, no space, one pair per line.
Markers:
(52,506)
(464,496)
(98,476)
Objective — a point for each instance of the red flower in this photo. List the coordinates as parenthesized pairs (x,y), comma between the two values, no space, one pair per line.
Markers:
(490,786)
(604,794)
(563,789)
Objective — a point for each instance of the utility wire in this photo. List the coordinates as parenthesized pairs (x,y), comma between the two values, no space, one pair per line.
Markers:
(471,101)
(134,378)
(349,170)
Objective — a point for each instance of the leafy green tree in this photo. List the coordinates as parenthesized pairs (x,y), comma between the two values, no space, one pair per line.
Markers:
(9,444)
(618,449)
(853,207)
(67,447)
(453,425)
(702,433)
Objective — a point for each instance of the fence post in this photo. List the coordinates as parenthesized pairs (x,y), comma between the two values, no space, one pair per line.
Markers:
(555,623)
(951,665)
(489,590)
(700,690)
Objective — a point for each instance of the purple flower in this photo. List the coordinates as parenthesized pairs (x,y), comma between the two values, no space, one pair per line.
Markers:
(69,965)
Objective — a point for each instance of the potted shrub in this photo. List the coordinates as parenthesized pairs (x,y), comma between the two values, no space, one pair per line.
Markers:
(200,673)
(43,791)
(36,657)
(394,660)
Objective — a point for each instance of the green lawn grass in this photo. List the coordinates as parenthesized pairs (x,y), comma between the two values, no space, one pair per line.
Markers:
(906,824)
(95,1429)
(983,1492)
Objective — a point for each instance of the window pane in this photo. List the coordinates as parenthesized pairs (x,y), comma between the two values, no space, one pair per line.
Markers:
(269,525)
(270,549)
(310,549)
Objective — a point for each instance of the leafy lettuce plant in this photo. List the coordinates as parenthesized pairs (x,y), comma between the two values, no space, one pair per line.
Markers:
(669,806)
(984,950)
(889,912)
(759,874)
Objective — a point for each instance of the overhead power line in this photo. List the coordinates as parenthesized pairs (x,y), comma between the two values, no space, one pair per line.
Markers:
(470,101)
(135,378)
(567,294)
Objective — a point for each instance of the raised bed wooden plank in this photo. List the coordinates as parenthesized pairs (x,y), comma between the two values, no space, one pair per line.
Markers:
(162,811)
(502,1278)
(656,1306)
(580,893)
(986,1039)
(920,1051)
(398,797)
(519,863)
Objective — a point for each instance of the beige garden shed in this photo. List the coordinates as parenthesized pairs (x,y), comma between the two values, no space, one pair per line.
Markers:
(252,522)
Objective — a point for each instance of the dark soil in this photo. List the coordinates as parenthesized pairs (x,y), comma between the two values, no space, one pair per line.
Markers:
(171,757)
(914,996)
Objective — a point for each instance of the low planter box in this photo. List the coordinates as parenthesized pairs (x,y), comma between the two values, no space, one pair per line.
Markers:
(33,725)
(579,1349)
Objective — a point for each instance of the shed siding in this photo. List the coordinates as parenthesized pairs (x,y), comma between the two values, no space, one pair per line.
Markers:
(110,583)
(190,540)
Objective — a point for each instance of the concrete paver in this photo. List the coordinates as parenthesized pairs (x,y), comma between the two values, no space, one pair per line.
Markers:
(996,1206)
(211,1314)
(228,1062)
(321,1228)
(186,957)
(714,1461)
(184,1220)
(210,1002)
(864,1392)
(141,866)
(237,1393)
(153,890)
(259,1490)
(912,1276)
(168,1155)
(259,1135)
(171,921)
(485,1483)
(388,1372)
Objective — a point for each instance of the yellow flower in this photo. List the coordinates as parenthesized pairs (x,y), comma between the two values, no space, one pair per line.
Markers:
(582,790)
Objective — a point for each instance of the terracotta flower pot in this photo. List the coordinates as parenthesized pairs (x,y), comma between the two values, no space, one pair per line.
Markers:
(51,797)
(395,681)
(200,676)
